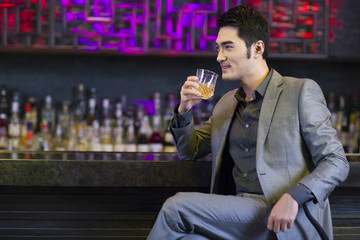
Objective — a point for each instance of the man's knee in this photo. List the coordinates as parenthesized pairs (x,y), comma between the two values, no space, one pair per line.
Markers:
(174,203)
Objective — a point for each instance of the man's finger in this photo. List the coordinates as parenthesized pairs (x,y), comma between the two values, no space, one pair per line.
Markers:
(283,227)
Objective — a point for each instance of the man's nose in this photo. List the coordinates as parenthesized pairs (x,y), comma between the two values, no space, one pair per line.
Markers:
(220,57)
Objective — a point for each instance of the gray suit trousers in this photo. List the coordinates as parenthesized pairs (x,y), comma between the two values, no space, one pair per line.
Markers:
(199,216)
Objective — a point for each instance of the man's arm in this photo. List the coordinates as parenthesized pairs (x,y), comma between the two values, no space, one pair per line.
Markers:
(327,154)
(191,144)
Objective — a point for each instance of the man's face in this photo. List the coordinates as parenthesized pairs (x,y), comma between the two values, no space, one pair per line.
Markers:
(234,58)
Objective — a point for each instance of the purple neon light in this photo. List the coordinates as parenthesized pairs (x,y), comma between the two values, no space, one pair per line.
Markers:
(136,26)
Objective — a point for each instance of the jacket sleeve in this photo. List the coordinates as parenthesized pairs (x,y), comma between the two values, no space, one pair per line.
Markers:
(327,153)
(192,144)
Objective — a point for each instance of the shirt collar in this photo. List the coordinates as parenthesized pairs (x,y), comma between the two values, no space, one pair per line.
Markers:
(260,90)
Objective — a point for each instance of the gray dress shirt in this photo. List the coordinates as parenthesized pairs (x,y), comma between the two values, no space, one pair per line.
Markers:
(242,139)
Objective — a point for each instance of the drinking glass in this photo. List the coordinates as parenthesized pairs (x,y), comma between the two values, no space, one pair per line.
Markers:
(207,81)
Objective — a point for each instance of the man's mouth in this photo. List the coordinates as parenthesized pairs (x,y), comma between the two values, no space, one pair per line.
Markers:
(225,68)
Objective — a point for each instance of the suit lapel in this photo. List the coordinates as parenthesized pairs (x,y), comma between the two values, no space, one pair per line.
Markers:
(271,97)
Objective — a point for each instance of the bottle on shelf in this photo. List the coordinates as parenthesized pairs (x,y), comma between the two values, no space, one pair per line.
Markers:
(156,141)
(95,143)
(354,125)
(82,136)
(79,105)
(118,134)
(43,138)
(130,139)
(118,131)
(26,124)
(92,109)
(342,123)
(14,124)
(169,144)
(23,135)
(106,138)
(139,118)
(332,108)
(30,142)
(33,113)
(71,137)
(118,112)
(48,114)
(4,114)
(64,120)
(58,143)
(143,138)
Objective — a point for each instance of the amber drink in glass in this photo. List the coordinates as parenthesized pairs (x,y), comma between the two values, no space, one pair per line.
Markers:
(207,81)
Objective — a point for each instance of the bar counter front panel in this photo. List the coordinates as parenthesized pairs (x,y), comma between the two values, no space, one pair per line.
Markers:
(97,195)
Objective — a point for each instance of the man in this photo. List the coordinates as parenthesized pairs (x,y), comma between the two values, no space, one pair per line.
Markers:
(272,145)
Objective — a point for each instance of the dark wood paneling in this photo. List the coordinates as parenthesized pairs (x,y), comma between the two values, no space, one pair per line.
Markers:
(118,213)
(81,212)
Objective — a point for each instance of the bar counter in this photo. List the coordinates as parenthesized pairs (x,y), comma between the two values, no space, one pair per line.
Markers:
(97,195)
(100,169)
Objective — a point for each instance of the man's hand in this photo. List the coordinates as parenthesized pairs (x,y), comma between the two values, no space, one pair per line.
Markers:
(283,214)
(189,96)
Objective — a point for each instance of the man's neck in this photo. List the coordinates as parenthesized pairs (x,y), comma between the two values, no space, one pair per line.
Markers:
(254,80)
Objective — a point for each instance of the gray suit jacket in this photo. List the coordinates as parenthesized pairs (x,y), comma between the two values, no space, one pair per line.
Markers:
(295,144)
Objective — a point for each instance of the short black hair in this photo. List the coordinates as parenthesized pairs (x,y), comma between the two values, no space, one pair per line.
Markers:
(251,24)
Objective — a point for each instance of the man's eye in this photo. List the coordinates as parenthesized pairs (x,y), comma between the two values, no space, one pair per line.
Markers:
(228,46)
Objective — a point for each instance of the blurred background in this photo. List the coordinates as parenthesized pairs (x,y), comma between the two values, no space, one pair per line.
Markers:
(128,51)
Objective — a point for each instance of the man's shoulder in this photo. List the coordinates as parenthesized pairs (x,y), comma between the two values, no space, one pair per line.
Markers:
(229,95)
(291,80)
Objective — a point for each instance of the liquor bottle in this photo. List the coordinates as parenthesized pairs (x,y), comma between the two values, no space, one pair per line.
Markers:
(26,123)
(82,136)
(106,138)
(342,123)
(156,141)
(30,143)
(130,139)
(143,139)
(23,135)
(48,114)
(118,133)
(169,144)
(354,124)
(57,142)
(139,118)
(352,139)
(64,119)
(158,113)
(118,112)
(95,143)
(71,137)
(331,106)
(79,108)
(4,113)
(14,124)
(106,110)
(91,110)
(33,113)
(43,138)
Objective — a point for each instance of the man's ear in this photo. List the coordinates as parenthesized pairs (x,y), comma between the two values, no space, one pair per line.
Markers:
(259,47)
